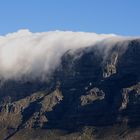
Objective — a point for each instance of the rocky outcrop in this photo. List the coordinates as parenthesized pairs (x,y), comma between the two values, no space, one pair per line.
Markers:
(110,67)
(91,96)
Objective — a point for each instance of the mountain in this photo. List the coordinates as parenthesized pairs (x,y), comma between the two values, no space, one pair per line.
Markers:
(93,94)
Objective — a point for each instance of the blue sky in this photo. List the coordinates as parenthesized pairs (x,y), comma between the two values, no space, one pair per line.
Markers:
(100,16)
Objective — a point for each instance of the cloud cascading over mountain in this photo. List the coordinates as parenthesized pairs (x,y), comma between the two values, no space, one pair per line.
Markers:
(69,85)
(36,55)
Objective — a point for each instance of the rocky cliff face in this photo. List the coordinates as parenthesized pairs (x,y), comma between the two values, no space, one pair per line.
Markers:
(91,95)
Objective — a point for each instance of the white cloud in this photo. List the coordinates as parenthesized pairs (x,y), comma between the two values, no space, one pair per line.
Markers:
(37,54)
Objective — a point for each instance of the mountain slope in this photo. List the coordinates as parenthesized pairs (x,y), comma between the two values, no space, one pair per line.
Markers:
(93,94)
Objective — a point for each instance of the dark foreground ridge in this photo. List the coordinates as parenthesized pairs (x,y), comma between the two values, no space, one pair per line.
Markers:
(90,96)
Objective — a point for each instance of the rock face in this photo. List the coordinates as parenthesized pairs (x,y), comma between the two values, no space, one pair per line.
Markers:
(93,94)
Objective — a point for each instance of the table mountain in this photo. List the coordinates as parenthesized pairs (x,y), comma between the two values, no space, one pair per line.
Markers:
(94,94)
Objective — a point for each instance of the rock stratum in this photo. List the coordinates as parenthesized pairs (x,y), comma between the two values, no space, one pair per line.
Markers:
(94,94)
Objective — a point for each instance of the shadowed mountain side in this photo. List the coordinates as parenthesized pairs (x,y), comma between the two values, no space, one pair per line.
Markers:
(93,94)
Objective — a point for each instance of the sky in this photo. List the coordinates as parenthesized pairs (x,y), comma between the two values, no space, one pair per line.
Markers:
(101,16)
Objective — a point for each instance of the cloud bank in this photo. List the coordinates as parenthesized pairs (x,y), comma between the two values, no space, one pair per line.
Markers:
(35,55)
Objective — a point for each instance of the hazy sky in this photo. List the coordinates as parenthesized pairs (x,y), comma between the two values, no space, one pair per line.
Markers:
(100,16)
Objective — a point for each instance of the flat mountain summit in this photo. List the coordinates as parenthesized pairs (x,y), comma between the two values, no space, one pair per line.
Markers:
(93,94)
